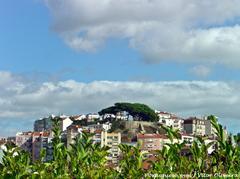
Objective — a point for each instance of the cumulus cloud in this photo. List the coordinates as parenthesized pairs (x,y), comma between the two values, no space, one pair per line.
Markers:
(185,98)
(183,30)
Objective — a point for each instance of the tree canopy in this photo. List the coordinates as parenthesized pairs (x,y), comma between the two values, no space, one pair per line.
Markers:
(137,110)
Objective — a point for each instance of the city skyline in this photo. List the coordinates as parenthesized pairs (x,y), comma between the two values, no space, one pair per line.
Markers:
(76,57)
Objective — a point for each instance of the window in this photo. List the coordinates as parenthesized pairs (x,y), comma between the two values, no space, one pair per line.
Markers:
(150,140)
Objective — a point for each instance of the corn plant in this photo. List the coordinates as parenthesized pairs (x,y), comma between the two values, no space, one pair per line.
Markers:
(86,159)
(226,159)
(131,164)
(15,163)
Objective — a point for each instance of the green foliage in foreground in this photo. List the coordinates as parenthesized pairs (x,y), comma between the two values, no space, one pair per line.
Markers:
(139,111)
(85,159)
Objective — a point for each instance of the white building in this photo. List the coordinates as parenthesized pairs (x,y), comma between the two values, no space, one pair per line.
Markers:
(65,122)
(78,117)
(123,115)
(188,139)
(108,116)
(170,120)
(92,117)
(105,127)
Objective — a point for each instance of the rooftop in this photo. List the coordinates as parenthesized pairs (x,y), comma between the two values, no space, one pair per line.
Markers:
(150,136)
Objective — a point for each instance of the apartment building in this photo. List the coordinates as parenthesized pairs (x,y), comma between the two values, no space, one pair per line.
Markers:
(34,142)
(74,130)
(210,130)
(4,140)
(111,140)
(41,141)
(150,142)
(46,124)
(24,140)
(196,126)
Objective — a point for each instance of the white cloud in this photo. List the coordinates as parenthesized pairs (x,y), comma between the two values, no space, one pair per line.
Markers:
(179,30)
(200,71)
(71,97)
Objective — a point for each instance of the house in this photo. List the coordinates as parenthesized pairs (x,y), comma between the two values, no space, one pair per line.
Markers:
(92,117)
(170,120)
(78,117)
(92,127)
(187,138)
(65,122)
(122,115)
(108,116)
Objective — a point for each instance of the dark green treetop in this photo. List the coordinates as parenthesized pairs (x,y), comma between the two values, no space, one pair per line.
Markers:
(139,111)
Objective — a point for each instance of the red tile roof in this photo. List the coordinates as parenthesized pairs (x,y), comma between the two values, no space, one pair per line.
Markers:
(149,136)
(45,134)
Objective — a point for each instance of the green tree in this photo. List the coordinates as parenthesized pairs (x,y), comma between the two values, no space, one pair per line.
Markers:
(138,111)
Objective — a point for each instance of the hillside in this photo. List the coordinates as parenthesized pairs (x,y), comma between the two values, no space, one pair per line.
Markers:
(129,129)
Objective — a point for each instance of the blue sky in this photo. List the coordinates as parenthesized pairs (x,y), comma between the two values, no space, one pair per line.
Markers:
(35,46)
(28,45)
